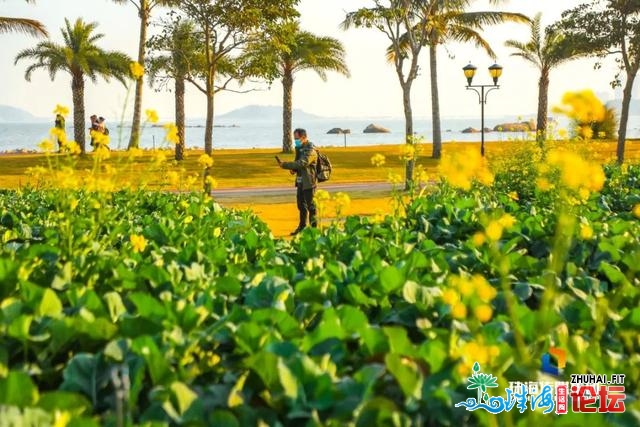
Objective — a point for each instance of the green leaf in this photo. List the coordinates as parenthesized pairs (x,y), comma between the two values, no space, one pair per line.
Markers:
(406,373)
(288,381)
(183,396)
(434,352)
(354,295)
(228,285)
(158,366)
(633,318)
(8,277)
(612,272)
(523,291)
(88,374)
(115,305)
(19,327)
(399,341)
(353,320)
(74,403)
(391,279)
(235,395)
(147,306)
(17,389)
(223,418)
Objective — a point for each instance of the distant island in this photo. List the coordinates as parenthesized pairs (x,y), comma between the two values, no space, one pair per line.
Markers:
(10,114)
(264,112)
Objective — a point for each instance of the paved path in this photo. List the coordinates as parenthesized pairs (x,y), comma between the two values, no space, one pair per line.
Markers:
(247,192)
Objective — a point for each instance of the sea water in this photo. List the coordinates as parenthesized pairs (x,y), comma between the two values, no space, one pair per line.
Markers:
(268,134)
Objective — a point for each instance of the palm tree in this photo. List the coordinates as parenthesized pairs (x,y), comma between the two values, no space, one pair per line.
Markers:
(299,51)
(306,52)
(181,55)
(80,57)
(448,20)
(22,25)
(144,8)
(545,53)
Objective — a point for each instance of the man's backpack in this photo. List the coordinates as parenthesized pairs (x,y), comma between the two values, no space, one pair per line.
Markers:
(323,167)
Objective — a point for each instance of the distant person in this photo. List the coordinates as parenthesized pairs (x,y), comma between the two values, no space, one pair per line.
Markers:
(305,168)
(95,126)
(102,126)
(60,125)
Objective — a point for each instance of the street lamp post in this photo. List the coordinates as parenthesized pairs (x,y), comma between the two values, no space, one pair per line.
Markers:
(495,71)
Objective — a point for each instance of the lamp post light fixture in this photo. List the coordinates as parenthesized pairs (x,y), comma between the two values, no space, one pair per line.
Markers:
(495,71)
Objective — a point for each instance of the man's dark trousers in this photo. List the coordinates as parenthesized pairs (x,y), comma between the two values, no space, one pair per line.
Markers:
(306,206)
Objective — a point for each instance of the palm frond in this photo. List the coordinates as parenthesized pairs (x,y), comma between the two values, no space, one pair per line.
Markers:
(464,34)
(482,19)
(22,25)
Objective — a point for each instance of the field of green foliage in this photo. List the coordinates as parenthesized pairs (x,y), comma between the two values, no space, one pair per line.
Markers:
(133,307)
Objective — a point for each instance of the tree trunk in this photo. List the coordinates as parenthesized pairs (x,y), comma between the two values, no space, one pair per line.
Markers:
(134,140)
(408,130)
(543,102)
(179,100)
(77,88)
(435,102)
(208,128)
(624,115)
(287,111)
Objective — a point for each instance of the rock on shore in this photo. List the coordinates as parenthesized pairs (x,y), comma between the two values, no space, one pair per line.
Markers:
(529,126)
(372,128)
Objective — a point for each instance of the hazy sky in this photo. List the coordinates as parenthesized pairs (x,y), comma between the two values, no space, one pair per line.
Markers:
(372,90)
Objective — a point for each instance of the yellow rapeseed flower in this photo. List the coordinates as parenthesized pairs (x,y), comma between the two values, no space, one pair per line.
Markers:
(543,184)
(205,160)
(584,107)
(575,172)
(394,178)
(58,134)
(99,138)
(563,134)
(586,232)
(152,115)
(62,110)
(407,152)
(507,221)
(46,145)
(378,160)
(478,239)
(134,153)
(461,169)
(342,201)
(636,210)
(494,231)
(486,292)
(138,242)
(72,147)
(174,178)
(211,182)
(137,70)
(513,195)
(102,152)
(322,195)
(171,134)
(459,311)
(483,313)
(450,296)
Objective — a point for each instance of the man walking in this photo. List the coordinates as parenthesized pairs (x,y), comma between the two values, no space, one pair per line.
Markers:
(305,169)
